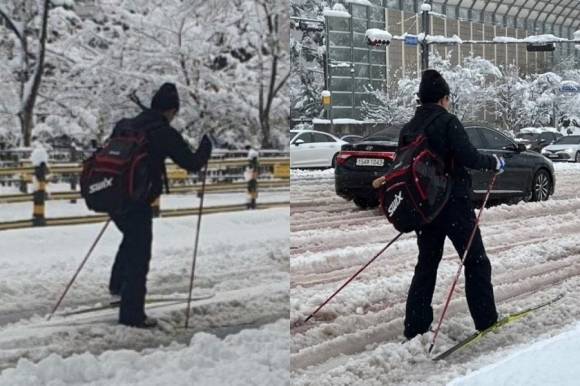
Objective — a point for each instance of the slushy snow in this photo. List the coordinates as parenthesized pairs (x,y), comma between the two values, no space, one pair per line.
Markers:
(257,357)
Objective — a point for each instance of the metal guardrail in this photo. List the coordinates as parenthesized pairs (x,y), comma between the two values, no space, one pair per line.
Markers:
(78,220)
(76,167)
(231,187)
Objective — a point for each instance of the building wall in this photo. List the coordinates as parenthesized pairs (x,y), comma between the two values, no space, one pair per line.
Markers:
(376,67)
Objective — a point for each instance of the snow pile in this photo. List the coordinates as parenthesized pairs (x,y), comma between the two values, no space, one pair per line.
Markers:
(366,3)
(337,11)
(257,357)
(538,130)
(340,64)
(530,366)
(506,39)
(443,39)
(425,7)
(38,156)
(340,121)
(543,39)
(376,36)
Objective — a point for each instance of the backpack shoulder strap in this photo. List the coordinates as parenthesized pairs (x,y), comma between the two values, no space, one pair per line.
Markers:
(430,121)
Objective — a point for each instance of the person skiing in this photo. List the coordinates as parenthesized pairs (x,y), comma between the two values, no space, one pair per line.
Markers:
(129,273)
(447,137)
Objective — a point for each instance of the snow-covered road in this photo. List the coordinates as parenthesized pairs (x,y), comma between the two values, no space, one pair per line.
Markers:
(355,339)
(242,260)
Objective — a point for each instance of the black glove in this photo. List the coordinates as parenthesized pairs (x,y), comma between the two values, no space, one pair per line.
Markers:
(204,149)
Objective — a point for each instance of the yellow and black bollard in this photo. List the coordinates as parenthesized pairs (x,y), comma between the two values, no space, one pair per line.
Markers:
(252,177)
(39,196)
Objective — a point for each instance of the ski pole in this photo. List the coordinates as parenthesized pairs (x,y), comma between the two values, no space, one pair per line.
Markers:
(353,277)
(456,279)
(79,268)
(196,244)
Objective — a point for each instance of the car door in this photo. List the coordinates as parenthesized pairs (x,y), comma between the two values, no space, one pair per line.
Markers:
(325,147)
(300,150)
(515,179)
(479,179)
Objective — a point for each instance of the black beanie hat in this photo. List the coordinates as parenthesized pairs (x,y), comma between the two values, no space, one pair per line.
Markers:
(433,87)
(166,98)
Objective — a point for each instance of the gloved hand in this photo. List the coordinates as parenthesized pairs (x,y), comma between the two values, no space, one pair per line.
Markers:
(500,164)
(204,149)
(378,182)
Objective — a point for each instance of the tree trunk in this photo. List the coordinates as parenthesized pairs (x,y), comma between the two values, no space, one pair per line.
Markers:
(266,132)
(29,97)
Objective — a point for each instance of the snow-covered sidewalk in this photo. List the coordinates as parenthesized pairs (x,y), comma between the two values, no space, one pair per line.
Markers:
(242,260)
(552,361)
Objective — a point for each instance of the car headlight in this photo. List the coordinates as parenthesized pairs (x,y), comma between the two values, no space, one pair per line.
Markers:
(544,151)
(528,146)
(569,151)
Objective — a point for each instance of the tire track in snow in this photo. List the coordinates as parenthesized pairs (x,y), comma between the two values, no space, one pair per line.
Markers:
(325,250)
(390,331)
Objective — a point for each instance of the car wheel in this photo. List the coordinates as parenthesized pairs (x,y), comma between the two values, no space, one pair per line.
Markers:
(365,203)
(578,157)
(333,162)
(541,186)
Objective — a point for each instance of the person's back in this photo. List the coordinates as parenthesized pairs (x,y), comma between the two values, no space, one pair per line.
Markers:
(129,273)
(448,138)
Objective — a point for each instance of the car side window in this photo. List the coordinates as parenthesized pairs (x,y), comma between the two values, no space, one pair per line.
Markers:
(548,137)
(306,137)
(474,137)
(319,137)
(496,140)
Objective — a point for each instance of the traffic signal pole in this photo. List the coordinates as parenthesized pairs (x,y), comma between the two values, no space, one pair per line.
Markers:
(426,26)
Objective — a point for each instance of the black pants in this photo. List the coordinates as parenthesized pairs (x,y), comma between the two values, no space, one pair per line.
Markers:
(129,274)
(456,221)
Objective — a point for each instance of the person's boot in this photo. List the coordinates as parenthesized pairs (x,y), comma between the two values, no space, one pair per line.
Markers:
(145,323)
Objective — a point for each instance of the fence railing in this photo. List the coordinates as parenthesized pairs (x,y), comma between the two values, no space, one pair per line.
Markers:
(224,176)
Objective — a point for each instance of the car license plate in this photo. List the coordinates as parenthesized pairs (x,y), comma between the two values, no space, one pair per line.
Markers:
(370,162)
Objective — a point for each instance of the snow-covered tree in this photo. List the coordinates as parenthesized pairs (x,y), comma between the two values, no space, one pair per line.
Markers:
(26,62)
(395,104)
(218,52)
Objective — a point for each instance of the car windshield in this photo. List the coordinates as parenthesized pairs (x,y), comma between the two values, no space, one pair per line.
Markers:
(530,136)
(390,134)
(569,140)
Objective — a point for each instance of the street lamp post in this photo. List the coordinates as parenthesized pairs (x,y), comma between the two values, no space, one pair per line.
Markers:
(426,24)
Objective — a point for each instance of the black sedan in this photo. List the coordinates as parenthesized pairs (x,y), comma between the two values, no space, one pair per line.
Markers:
(528,175)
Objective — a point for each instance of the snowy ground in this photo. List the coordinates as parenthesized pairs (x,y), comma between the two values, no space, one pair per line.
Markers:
(356,339)
(63,208)
(238,336)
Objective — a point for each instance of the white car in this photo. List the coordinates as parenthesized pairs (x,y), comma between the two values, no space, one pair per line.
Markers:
(564,149)
(313,149)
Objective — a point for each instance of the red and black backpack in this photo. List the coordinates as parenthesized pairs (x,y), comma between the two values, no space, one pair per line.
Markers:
(119,173)
(417,185)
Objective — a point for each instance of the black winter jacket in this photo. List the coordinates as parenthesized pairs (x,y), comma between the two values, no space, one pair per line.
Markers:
(166,142)
(447,137)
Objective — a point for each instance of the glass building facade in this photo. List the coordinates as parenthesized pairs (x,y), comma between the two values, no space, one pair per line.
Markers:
(354,68)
